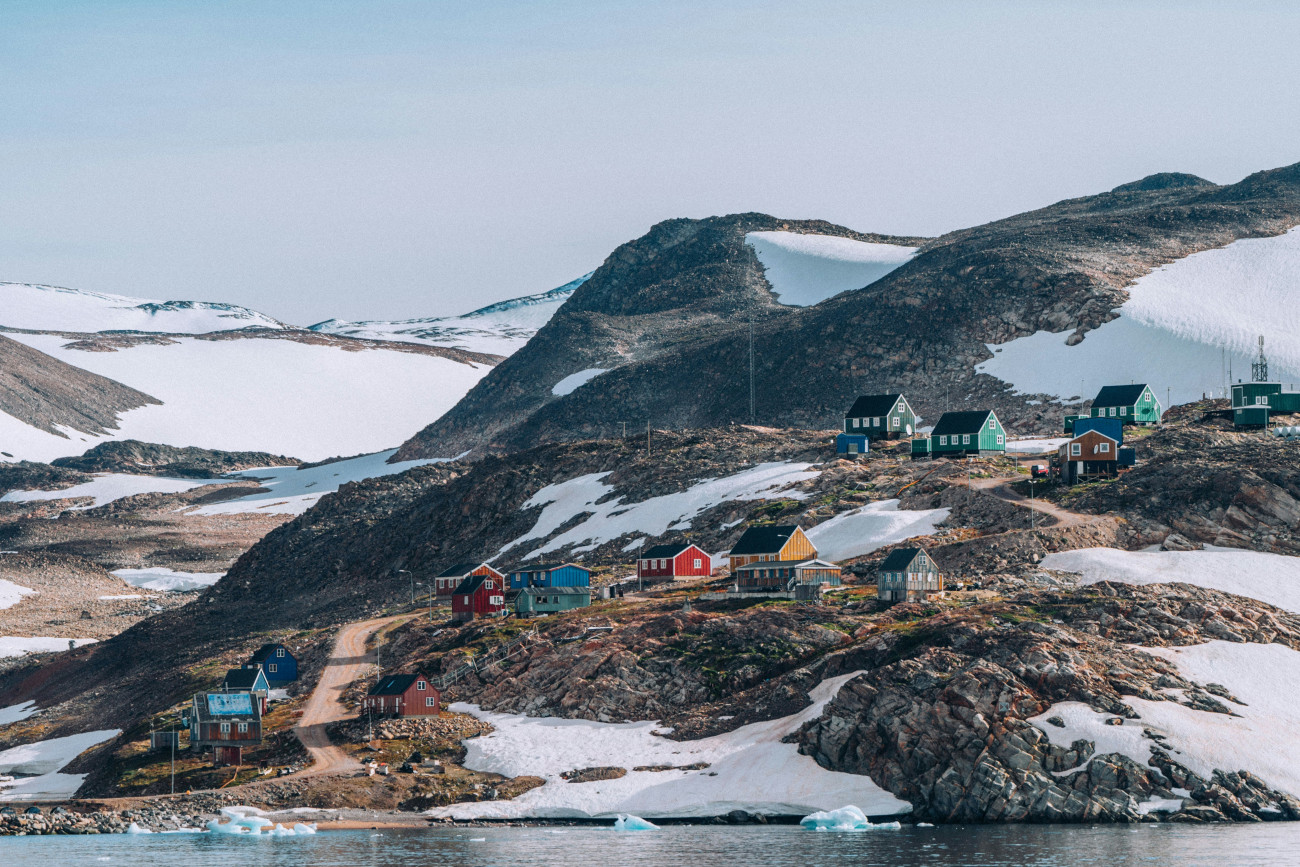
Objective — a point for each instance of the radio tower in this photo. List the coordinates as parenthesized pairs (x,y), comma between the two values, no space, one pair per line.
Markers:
(1259,370)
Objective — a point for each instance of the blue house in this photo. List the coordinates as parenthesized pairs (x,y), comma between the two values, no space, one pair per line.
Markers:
(550,575)
(1111,427)
(250,679)
(279,664)
(852,444)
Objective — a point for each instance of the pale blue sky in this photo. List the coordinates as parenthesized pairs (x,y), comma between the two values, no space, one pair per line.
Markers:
(395,159)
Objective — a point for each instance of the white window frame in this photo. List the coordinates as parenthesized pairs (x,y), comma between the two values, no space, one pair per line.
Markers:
(1123,410)
(279,651)
(243,728)
(699,562)
(965,439)
(225,728)
(1104,448)
(993,424)
(1112,412)
(1002,440)
(943,440)
(497,600)
(1076,450)
(273,668)
(430,701)
(421,685)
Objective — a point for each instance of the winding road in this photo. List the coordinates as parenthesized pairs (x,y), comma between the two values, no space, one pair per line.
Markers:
(348,662)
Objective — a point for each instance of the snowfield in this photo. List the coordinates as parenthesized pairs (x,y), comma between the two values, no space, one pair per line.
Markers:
(749,769)
(498,329)
(11,594)
(574,381)
(16,712)
(17,646)
(614,518)
(106,488)
(44,760)
(51,308)
(1171,331)
(1271,578)
(1265,677)
(292,491)
(875,525)
(159,578)
(806,269)
(280,396)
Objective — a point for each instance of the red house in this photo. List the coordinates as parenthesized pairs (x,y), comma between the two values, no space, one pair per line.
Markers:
(479,596)
(403,695)
(673,561)
(446,583)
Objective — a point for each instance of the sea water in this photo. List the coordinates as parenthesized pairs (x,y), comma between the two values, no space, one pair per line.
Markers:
(697,845)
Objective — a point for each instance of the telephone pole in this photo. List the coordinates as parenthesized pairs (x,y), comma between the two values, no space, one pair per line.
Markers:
(751,367)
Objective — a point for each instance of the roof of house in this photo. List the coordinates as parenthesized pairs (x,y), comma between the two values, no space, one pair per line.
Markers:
(266,651)
(227,706)
(1093,433)
(971,422)
(469,585)
(547,567)
(460,570)
(394,684)
(764,539)
(665,551)
(242,678)
(899,559)
(1119,395)
(871,405)
(769,564)
(555,591)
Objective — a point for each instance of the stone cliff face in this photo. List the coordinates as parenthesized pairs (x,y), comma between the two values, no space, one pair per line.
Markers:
(683,363)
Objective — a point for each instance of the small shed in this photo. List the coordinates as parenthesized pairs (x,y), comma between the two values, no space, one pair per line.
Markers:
(880,416)
(679,560)
(532,601)
(771,543)
(1131,404)
(249,679)
(279,663)
(550,575)
(478,596)
(403,695)
(170,740)
(908,575)
(852,444)
(446,583)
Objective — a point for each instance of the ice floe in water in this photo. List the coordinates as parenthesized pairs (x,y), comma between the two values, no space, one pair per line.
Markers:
(626,822)
(848,818)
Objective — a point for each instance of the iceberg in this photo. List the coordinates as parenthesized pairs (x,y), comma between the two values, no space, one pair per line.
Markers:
(848,818)
(627,822)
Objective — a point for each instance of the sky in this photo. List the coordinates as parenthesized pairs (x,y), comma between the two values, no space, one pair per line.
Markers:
(393,159)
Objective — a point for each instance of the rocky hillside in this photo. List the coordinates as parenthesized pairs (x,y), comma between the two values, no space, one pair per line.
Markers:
(154,459)
(48,394)
(668,316)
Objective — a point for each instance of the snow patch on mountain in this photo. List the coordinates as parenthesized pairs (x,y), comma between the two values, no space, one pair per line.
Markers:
(170,580)
(805,269)
(280,396)
(105,488)
(1175,329)
(53,308)
(45,759)
(574,381)
(875,525)
(498,329)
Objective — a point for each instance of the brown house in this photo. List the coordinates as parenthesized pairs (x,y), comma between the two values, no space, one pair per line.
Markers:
(1090,455)
(403,695)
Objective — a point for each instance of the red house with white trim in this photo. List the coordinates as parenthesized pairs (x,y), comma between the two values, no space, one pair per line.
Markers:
(403,695)
(479,596)
(446,583)
(680,560)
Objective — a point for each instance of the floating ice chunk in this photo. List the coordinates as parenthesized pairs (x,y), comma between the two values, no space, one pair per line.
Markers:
(133,828)
(302,829)
(627,822)
(848,818)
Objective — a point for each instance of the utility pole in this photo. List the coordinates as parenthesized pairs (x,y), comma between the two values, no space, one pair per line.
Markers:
(751,367)
(412,577)
(647,437)
(624,430)
(173,738)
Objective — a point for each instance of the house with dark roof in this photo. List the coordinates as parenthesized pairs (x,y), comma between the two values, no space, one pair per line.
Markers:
(1088,456)
(959,434)
(908,575)
(533,601)
(448,580)
(250,679)
(880,416)
(677,560)
(550,575)
(278,662)
(771,543)
(478,596)
(227,722)
(402,695)
(1131,404)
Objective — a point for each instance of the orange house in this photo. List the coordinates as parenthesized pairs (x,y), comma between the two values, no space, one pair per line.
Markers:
(768,543)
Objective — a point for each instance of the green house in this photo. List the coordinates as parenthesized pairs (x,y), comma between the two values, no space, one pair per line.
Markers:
(1254,402)
(880,416)
(968,433)
(1131,404)
(533,601)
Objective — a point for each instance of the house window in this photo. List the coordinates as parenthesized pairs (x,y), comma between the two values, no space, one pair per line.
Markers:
(243,728)
(487,584)
(1261,400)
(896,421)
(279,652)
(1112,412)
(225,728)
(698,562)
(272,668)
(1123,410)
(1076,449)
(1001,439)
(943,441)
(965,439)
(1103,448)
(421,685)
(498,600)
(430,701)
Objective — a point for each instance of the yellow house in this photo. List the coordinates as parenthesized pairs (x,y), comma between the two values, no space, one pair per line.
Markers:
(770,543)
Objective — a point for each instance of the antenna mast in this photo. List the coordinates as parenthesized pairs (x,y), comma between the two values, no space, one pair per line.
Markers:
(1259,370)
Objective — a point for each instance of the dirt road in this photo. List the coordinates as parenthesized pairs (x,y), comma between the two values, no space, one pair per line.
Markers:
(1000,487)
(348,661)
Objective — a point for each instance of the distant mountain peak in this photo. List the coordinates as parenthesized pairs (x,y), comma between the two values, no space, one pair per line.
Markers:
(1164,181)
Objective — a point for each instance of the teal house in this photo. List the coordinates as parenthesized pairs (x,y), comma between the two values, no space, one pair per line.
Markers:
(962,434)
(880,416)
(1131,404)
(533,601)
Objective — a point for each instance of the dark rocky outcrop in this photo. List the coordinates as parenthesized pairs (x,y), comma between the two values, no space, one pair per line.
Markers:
(154,459)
